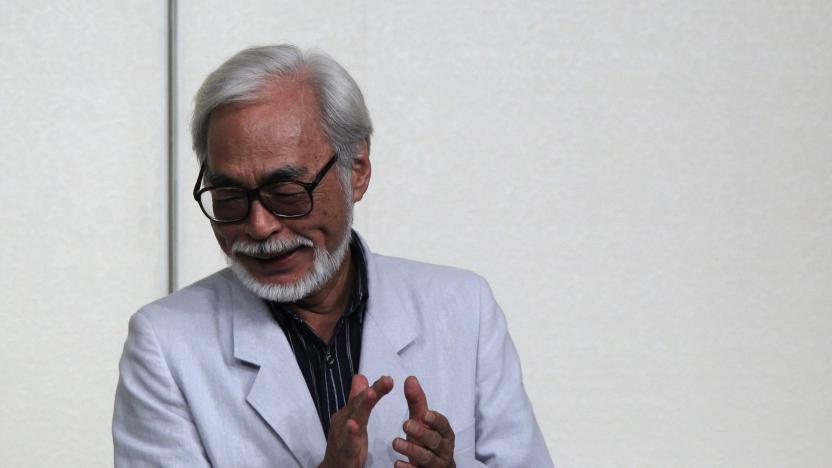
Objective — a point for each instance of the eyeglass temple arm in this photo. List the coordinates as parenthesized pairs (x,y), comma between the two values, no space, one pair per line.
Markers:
(199,181)
(310,186)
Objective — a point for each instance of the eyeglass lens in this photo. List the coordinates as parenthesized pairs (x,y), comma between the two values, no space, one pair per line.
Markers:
(286,199)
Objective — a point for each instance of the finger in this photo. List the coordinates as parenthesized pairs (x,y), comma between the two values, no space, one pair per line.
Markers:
(352,427)
(350,445)
(416,454)
(344,439)
(359,384)
(364,403)
(417,402)
(439,423)
(358,394)
(422,435)
(403,464)
(383,385)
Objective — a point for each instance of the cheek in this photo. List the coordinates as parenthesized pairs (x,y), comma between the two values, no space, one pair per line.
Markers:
(330,208)
(333,216)
(327,224)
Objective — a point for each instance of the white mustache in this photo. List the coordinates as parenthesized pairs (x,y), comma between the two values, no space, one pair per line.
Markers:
(269,248)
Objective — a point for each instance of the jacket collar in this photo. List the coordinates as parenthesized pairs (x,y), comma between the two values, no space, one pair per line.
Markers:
(395,317)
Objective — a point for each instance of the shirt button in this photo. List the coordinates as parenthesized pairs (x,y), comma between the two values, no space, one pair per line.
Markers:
(329,359)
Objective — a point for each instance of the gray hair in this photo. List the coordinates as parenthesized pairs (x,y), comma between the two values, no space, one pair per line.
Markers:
(345,119)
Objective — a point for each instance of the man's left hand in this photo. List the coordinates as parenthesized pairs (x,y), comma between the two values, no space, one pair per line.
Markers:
(430,438)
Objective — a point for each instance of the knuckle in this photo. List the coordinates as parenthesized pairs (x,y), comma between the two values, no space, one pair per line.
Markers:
(425,457)
(412,428)
(436,444)
(416,455)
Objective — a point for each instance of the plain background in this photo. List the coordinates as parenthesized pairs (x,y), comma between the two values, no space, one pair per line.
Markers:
(647,185)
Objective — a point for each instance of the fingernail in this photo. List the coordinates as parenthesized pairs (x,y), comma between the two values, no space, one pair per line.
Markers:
(408,426)
(429,417)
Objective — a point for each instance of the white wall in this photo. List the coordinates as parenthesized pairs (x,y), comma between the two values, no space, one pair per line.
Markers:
(647,186)
(81,144)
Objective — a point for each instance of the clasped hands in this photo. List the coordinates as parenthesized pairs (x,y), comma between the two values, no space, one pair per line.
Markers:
(429,442)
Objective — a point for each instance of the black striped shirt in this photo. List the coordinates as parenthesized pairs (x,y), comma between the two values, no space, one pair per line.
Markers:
(328,368)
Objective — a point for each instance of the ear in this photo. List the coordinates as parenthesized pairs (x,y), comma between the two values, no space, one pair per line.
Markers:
(361,171)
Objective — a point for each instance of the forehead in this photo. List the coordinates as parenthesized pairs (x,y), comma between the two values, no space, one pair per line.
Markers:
(282,128)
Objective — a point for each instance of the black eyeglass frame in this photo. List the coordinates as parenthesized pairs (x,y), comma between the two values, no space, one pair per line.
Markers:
(254,193)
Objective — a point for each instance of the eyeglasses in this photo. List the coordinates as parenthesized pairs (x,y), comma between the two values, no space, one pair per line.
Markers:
(284,199)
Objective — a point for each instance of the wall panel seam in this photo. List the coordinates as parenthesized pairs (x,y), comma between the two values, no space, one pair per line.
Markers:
(172,137)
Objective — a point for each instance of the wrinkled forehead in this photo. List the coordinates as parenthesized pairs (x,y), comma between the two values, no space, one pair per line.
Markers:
(280,130)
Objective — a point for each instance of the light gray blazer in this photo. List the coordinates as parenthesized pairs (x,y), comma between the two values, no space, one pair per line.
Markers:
(207,377)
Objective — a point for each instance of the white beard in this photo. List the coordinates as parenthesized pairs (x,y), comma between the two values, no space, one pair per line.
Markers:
(326,264)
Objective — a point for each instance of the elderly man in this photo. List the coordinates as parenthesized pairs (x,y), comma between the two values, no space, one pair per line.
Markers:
(267,363)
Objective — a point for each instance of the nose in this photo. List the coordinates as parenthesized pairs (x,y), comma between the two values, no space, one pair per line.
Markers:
(261,224)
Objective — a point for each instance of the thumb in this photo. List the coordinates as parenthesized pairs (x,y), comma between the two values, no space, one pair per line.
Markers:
(417,403)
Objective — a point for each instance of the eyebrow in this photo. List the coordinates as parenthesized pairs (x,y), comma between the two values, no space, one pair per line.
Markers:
(283,174)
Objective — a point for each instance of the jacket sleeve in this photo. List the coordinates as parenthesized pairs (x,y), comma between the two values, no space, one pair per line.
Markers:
(152,425)
(507,433)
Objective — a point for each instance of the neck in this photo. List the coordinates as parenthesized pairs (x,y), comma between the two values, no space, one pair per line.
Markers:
(322,309)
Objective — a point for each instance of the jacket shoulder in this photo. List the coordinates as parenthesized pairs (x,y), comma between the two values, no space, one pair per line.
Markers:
(417,270)
(421,277)
(191,310)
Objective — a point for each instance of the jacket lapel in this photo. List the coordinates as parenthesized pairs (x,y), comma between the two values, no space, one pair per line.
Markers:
(279,393)
(390,325)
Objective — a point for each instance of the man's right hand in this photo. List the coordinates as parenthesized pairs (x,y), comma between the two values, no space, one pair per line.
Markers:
(346,445)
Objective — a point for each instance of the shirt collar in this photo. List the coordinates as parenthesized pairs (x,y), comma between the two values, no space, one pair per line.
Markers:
(359,288)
